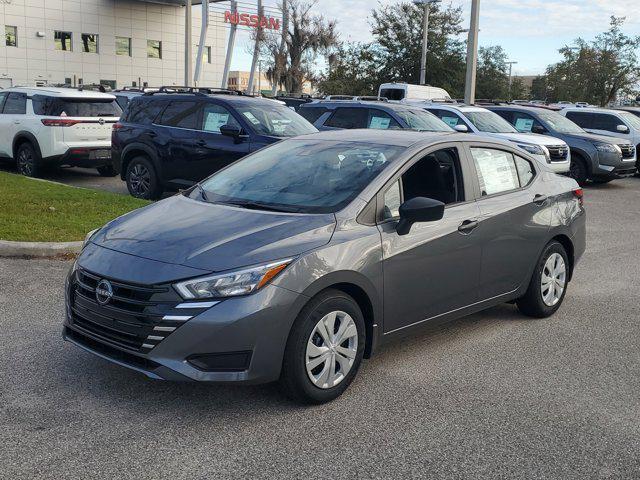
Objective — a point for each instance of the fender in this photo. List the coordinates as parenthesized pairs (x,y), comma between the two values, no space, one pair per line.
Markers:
(586,156)
(142,147)
(25,135)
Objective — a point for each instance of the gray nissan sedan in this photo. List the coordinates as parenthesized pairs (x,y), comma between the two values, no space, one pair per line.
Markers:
(298,261)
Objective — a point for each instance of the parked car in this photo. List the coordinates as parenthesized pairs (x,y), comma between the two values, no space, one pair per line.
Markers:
(173,138)
(44,127)
(593,157)
(301,259)
(480,121)
(634,110)
(406,92)
(124,95)
(345,114)
(613,123)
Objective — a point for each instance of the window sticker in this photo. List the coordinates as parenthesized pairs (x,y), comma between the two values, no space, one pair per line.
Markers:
(451,121)
(497,173)
(524,124)
(380,122)
(251,118)
(215,120)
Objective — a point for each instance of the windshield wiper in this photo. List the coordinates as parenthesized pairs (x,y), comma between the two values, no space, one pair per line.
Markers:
(203,193)
(261,206)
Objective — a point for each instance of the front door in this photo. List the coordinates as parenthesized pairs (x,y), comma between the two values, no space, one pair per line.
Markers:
(435,268)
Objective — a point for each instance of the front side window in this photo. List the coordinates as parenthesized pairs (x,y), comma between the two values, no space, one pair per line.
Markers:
(392,201)
(523,122)
(89,42)
(497,171)
(418,119)
(603,121)
(123,46)
(181,114)
(559,123)
(348,118)
(15,104)
(312,114)
(11,36)
(631,119)
(274,120)
(301,175)
(216,116)
(3,97)
(450,118)
(489,122)
(381,120)
(154,49)
(63,41)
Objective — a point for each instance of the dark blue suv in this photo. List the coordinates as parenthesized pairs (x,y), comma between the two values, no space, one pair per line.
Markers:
(175,137)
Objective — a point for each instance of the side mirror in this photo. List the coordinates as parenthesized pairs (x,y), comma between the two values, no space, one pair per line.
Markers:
(416,210)
(234,132)
(622,129)
(539,129)
(461,128)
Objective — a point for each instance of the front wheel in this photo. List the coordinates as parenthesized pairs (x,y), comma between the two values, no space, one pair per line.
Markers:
(578,170)
(324,350)
(548,285)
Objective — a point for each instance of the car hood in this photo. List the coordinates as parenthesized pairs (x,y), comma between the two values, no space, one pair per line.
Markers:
(530,138)
(213,237)
(592,137)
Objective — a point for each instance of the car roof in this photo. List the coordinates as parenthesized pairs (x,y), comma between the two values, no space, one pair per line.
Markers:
(453,108)
(395,107)
(229,99)
(522,108)
(591,110)
(60,92)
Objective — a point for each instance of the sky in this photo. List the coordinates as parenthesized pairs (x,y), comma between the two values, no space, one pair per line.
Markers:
(531,31)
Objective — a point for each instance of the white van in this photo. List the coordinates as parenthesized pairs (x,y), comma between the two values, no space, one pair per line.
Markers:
(406,92)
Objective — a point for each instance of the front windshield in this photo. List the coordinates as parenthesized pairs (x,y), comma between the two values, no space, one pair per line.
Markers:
(631,119)
(301,175)
(418,119)
(489,122)
(559,123)
(275,120)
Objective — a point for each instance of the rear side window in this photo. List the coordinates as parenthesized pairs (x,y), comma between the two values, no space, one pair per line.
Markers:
(72,107)
(181,114)
(144,112)
(311,114)
(583,119)
(348,118)
(3,97)
(15,104)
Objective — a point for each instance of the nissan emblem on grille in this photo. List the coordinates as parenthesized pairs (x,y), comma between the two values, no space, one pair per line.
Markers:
(104,292)
(101,121)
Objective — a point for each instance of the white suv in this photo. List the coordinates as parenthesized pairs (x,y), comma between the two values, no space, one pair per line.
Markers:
(42,127)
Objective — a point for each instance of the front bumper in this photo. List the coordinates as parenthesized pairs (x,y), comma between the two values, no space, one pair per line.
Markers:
(90,157)
(207,347)
(611,165)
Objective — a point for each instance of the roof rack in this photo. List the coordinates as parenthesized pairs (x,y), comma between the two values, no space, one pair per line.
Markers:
(194,90)
(94,87)
(371,98)
(339,97)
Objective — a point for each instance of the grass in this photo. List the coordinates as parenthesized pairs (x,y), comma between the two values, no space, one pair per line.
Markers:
(39,211)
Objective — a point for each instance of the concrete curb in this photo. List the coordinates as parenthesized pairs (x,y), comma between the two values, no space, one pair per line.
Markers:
(39,249)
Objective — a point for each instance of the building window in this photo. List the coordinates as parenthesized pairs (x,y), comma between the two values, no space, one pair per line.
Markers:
(90,43)
(108,83)
(11,36)
(206,57)
(63,41)
(154,49)
(123,46)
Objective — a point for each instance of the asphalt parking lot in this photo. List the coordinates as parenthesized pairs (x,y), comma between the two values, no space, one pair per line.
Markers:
(494,395)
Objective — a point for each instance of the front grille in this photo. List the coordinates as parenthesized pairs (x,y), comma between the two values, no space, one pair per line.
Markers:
(135,318)
(558,153)
(628,151)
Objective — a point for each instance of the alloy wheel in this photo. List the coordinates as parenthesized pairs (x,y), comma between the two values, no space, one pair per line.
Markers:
(553,279)
(26,162)
(331,349)
(140,179)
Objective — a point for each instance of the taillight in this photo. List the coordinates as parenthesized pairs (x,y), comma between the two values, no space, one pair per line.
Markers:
(579,194)
(59,122)
(117,126)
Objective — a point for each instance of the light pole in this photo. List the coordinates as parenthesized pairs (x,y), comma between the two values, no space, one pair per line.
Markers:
(472,54)
(425,37)
(188,49)
(511,64)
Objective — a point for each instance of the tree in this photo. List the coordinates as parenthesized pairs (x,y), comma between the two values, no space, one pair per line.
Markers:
(352,70)
(518,89)
(598,71)
(539,88)
(397,31)
(492,77)
(308,36)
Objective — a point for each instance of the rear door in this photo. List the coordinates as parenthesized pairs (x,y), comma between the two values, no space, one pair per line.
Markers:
(5,122)
(13,117)
(214,150)
(515,217)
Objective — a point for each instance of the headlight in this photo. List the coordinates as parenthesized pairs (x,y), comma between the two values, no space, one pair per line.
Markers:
(608,148)
(89,236)
(535,149)
(240,282)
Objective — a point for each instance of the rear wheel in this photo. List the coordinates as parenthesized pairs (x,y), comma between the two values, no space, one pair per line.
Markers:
(578,170)
(548,285)
(325,348)
(28,161)
(142,179)
(107,171)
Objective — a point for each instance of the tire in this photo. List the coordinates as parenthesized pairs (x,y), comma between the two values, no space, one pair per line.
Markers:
(107,171)
(302,362)
(28,161)
(578,170)
(142,179)
(538,301)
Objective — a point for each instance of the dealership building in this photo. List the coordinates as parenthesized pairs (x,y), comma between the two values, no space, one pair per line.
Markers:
(114,42)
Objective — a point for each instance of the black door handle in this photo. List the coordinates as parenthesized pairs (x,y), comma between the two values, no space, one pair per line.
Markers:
(540,199)
(152,134)
(200,143)
(468,226)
